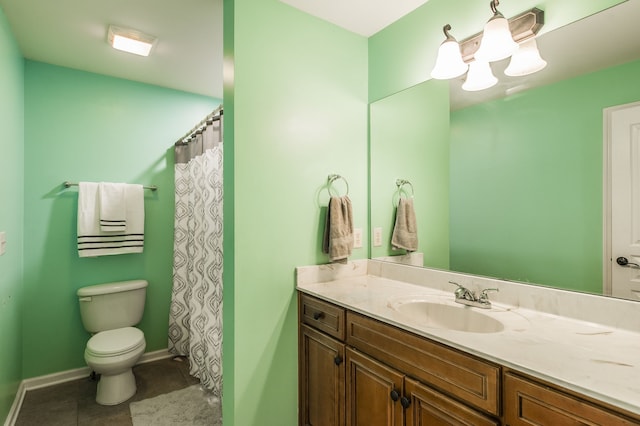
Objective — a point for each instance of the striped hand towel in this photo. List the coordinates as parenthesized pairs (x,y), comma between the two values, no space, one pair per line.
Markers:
(113,207)
(92,241)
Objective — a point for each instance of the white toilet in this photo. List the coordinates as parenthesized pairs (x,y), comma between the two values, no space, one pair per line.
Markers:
(109,311)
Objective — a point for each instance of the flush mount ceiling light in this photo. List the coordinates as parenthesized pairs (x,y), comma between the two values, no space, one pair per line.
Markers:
(131,41)
(519,38)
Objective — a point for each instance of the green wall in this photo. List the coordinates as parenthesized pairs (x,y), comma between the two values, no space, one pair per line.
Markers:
(81,126)
(526,181)
(11,214)
(410,131)
(403,54)
(299,114)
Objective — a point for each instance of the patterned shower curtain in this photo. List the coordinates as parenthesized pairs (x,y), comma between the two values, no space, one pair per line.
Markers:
(195,320)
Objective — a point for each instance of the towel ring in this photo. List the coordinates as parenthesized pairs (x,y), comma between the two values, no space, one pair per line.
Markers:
(402,182)
(334,177)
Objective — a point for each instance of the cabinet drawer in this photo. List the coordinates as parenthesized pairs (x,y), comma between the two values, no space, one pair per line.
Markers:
(530,403)
(462,376)
(322,315)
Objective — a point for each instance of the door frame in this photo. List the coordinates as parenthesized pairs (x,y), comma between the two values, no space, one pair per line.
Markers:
(607,285)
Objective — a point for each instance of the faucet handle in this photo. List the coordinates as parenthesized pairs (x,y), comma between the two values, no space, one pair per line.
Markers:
(483,293)
(460,288)
(462,292)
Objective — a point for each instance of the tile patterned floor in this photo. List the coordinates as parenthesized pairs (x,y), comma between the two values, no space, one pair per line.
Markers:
(73,403)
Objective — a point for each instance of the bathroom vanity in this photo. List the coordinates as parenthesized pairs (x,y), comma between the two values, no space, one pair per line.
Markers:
(383,344)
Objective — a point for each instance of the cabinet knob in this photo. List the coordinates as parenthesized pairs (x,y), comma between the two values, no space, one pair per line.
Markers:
(318,315)
(395,395)
(337,360)
(405,402)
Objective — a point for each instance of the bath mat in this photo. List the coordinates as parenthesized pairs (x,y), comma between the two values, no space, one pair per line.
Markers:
(191,406)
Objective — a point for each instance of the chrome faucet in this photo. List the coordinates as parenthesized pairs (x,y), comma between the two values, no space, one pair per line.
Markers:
(469,298)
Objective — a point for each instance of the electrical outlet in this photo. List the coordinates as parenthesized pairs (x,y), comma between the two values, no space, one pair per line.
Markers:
(3,243)
(357,238)
(377,237)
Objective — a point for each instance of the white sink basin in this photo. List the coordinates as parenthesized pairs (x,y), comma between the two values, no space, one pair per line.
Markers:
(450,317)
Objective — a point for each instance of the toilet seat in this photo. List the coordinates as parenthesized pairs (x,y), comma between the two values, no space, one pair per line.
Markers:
(116,342)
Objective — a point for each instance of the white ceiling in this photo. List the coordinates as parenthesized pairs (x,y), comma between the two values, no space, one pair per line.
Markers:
(188,55)
(364,17)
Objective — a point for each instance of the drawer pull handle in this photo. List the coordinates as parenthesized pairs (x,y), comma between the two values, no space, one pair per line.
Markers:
(337,360)
(395,395)
(405,402)
(318,315)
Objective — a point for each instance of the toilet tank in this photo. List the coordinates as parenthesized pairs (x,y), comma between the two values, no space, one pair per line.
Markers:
(112,305)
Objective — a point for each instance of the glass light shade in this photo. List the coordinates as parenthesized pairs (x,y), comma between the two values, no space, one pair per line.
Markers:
(449,63)
(131,41)
(497,42)
(526,60)
(479,77)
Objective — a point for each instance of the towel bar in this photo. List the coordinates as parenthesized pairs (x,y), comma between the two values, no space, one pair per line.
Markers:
(67,184)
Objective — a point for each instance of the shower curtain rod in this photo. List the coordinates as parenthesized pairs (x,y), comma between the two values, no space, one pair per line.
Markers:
(216,115)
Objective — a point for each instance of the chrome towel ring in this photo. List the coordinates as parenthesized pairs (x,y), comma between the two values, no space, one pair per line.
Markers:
(400,183)
(332,178)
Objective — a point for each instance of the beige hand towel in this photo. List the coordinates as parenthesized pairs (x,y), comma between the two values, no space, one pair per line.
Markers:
(338,231)
(405,231)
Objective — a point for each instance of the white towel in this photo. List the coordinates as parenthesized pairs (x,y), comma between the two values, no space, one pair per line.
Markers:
(113,208)
(92,241)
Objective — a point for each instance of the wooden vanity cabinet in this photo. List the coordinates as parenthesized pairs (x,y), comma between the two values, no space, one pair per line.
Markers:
(358,371)
(360,383)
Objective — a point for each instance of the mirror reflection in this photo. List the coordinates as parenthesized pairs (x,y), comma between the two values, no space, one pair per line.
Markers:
(508,183)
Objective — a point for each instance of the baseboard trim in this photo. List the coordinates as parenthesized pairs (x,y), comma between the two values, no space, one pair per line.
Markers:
(62,377)
(15,407)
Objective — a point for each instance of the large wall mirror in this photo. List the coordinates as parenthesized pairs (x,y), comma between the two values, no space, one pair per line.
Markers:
(508,183)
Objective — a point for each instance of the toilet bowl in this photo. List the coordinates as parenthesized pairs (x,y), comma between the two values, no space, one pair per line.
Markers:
(109,312)
(112,354)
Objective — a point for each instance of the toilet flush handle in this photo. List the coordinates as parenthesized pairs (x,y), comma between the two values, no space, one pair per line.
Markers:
(85,299)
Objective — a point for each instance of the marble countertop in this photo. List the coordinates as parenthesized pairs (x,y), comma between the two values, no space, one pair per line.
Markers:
(596,360)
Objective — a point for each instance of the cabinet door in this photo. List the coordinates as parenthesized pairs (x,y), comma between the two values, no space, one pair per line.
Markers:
(430,408)
(374,392)
(321,379)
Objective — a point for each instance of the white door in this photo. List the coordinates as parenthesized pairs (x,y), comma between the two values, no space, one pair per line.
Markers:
(622,214)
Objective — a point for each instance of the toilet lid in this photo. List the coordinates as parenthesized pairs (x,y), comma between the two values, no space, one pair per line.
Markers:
(114,342)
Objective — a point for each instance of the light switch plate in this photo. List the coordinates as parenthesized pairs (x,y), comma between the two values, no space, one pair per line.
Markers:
(377,237)
(357,238)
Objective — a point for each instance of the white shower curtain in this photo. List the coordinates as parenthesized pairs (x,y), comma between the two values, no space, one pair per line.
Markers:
(195,320)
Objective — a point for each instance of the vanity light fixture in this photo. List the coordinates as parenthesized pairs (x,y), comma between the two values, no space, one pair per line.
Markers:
(526,60)
(131,41)
(497,42)
(479,77)
(449,63)
(519,35)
